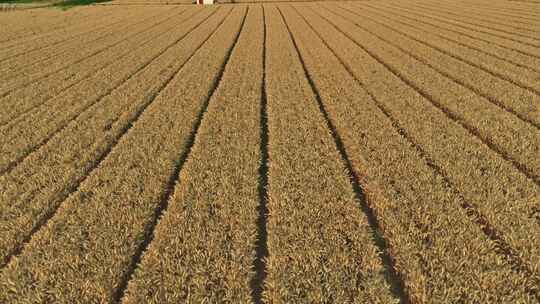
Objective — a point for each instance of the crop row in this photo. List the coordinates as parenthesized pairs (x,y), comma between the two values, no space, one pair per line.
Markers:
(38,22)
(203,246)
(74,151)
(54,83)
(101,230)
(49,58)
(21,136)
(467,163)
(321,246)
(77,31)
(480,113)
(425,226)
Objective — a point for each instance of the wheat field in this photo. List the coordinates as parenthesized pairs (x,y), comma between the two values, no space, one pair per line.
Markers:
(271,152)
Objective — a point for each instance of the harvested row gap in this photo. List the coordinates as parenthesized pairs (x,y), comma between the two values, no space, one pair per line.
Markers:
(261,246)
(32,201)
(393,278)
(521,166)
(116,203)
(498,213)
(12,158)
(465,229)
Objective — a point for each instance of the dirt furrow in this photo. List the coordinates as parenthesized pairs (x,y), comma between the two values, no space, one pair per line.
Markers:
(320,244)
(501,53)
(30,64)
(22,136)
(102,227)
(508,95)
(74,152)
(214,205)
(419,214)
(477,172)
(68,35)
(37,93)
(463,25)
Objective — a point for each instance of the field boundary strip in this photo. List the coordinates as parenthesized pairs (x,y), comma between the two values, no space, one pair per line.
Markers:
(42,222)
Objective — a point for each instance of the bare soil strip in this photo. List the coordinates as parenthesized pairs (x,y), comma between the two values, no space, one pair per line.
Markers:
(423,224)
(320,244)
(478,179)
(495,126)
(112,225)
(214,205)
(22,136)
(34,94)
(75,151)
